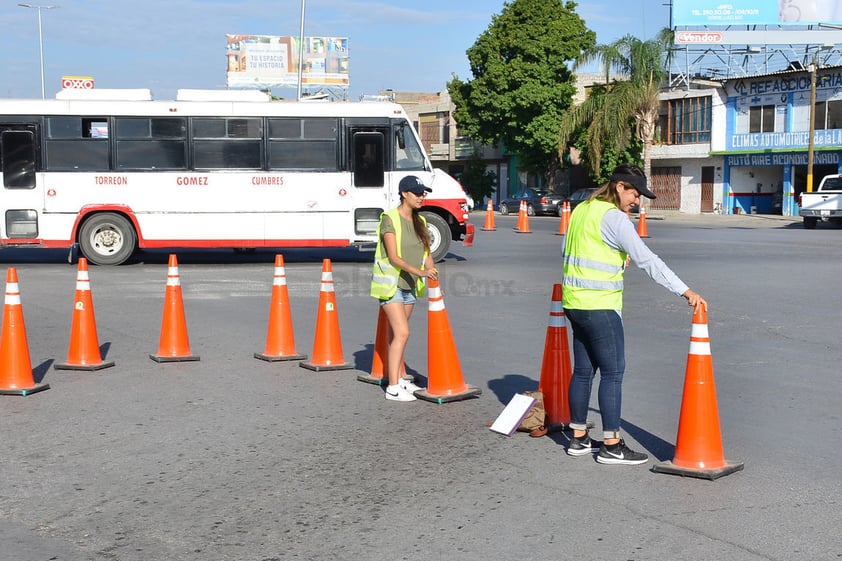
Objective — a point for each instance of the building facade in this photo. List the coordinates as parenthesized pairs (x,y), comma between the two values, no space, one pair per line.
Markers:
(742,145)
(733,146)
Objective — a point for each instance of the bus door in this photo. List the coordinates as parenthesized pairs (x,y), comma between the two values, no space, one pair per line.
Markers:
(371,190)
(20,199)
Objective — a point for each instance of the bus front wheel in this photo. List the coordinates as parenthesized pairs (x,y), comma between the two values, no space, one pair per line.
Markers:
(439,235)
(107,239)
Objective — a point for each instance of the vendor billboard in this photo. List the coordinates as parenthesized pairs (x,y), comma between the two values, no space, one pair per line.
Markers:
(267,61)
(696,13)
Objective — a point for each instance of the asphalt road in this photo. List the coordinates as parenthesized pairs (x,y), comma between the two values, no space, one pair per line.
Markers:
(233,458)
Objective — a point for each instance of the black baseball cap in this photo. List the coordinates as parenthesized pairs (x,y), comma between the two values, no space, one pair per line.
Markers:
(413,184)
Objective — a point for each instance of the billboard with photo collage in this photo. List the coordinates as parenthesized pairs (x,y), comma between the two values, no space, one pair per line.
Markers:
(267,61)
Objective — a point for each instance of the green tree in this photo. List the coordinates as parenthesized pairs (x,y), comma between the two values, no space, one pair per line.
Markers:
(477,179)
(521,82)
(607,113)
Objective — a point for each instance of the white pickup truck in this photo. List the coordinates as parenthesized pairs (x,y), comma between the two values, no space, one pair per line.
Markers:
(825,203)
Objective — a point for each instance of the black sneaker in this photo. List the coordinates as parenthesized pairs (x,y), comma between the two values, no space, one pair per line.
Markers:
(620,454)
(580,446)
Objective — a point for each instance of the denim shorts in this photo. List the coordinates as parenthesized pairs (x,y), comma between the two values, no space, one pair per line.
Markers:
(403,296)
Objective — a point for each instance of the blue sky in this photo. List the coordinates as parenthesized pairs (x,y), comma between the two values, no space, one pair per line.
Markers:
(165,45)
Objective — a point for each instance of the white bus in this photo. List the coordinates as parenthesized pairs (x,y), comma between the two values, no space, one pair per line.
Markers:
(115,171)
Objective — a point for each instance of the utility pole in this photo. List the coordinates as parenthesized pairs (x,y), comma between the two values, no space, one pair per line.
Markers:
(810,146)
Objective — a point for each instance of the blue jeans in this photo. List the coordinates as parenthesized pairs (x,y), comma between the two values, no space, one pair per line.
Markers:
(598,344)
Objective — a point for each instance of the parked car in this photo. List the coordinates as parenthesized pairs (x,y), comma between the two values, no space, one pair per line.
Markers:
(578,196)
(538,201)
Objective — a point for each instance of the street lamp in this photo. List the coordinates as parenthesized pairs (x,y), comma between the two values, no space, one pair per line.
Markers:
(300,51)
(40,38)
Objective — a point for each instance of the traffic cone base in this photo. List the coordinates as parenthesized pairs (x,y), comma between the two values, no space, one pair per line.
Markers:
(309,365)
(672,469)
(89,367)
(276,358)
(26,391)
(180,358)
(469,391)
(382,380)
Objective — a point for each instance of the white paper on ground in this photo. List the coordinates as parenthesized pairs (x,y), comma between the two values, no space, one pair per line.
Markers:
(509,420)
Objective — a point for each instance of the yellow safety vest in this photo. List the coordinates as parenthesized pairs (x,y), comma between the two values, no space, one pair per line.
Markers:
(384,277)
(593,271)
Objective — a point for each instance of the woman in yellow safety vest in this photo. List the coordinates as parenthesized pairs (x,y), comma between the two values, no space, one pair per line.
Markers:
(599,242)
(402,261)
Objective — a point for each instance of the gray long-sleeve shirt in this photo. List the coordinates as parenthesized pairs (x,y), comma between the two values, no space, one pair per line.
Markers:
(619,233)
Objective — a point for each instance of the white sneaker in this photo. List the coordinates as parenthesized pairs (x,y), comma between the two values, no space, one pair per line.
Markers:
(397,393)
(409,385)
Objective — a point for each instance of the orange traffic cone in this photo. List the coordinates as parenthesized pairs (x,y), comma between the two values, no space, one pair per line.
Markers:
(444,377)
(15,366)
(698,448)
(556,371)
(523,219)
(280,337)
(174,345)
(641,223)
(380,358)
(565,218)
(84,351)
(489,217)
(327,344)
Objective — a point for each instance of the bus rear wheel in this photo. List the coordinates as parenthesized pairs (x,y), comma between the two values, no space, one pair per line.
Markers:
(439,235)
(107,239)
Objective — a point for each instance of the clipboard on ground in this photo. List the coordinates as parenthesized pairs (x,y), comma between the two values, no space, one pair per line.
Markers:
(513,414)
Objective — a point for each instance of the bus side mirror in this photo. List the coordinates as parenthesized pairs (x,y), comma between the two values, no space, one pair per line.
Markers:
(401,138)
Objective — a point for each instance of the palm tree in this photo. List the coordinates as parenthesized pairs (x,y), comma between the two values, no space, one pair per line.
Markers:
(643,66)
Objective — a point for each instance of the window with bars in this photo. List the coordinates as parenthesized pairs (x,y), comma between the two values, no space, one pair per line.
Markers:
(688,120)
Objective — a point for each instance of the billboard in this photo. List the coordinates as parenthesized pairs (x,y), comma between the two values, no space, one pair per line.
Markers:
(267,61)
(697,13)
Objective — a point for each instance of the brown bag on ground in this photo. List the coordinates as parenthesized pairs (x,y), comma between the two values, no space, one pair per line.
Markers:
(535,422)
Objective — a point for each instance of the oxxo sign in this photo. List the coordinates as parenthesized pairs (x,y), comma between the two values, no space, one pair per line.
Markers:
(77,82)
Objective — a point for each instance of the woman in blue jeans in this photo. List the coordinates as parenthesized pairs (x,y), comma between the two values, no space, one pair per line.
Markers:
(599,242)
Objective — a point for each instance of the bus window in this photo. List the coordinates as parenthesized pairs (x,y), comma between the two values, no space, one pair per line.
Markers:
(17,159)
(303,144)
(220,143)
(76,144)
(368,159)
(151,143)
(408,154)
